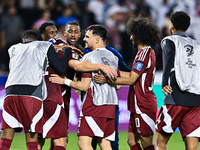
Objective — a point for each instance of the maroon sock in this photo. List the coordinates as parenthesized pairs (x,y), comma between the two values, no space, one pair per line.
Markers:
(5,143)
(59,148)
(151,147)
(136,147)
(32,145)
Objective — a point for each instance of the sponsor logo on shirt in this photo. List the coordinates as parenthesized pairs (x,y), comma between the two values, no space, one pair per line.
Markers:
(138,66)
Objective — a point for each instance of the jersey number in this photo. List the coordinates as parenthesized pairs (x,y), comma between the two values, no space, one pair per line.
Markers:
(137,122)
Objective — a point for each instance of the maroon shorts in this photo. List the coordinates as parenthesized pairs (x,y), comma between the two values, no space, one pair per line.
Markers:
(55,120)
(186,118)
(142,124)
(22,112)
(97,127)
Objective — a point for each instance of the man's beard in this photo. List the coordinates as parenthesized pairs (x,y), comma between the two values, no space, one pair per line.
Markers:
(68,42)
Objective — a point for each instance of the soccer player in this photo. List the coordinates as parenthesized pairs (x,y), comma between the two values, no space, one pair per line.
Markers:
(55,92)
(56,105)
(141,99)
(98,109)
(25,88)
(122,67)
(180,84)
(72,34)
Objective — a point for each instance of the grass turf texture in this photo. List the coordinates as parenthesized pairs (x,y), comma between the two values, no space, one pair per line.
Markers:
(174,143)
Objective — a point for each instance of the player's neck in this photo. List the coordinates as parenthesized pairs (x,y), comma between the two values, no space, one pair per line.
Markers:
(98,46)
(141,46)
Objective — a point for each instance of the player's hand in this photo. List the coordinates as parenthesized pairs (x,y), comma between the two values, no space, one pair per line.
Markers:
(54,78)
(59,49)
(109,72)
(76,50)
(167,89)
(100,78)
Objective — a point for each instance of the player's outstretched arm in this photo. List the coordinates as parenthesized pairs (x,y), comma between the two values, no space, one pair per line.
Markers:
(119,81)
(125,74)
(83,85)
(85,66)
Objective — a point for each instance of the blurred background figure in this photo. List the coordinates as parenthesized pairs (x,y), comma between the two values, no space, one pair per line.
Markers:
(63,19)
(46,17)
(111,13)
(97,7)
(115,22)
(11,29)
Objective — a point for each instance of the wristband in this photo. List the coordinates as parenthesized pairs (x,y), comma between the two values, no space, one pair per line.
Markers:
(67,82)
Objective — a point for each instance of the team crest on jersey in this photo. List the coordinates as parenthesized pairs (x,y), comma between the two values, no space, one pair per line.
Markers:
(105,61)
(190,51)
(74,56)
(53,40)
(138,66)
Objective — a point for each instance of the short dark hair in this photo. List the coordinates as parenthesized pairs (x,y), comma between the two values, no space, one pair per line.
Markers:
(73,23)
(143,31)
(44,25)
(180,20)
(98,30)
(30,34)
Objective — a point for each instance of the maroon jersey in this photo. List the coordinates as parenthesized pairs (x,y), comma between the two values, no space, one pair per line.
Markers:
(56,92)
(141,98)
(88,107)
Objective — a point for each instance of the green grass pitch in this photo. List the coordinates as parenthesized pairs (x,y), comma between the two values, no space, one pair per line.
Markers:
(175,142)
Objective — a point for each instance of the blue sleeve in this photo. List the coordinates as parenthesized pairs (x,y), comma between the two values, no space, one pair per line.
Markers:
(86,51)
(122,65)
(51,42)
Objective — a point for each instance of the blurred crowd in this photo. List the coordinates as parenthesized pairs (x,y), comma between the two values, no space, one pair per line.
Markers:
(19,15)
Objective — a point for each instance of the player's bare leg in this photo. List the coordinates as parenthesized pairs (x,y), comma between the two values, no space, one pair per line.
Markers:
(191,143)
(160,141)
(61,142)
(84,143)
(8,133)
(6,138)
(31,140)
(104,144)
(31,136)
(132,139)
(147,141)
(40,143)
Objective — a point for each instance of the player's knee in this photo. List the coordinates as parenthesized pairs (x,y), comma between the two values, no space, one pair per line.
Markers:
(131,141)
(60,142)
(128,141)
(191,143)
(147,141)
(160,144)
(80,144)
(104,144)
